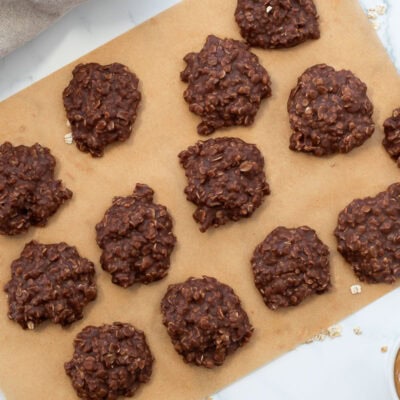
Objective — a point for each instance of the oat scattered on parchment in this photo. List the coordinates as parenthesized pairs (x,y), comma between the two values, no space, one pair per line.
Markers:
(332,332)
(357,331)
(317,338)
(384,349)
(371,13)
(320,337)
(268,9)
(376,25)
(374,13)
(68,138)
(355,289)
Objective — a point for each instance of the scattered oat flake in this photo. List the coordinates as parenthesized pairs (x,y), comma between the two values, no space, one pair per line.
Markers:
(357,331)
(381,9)
(384,349)
(355,289)
(68,138)
(30,325)
(311,340)
(335,331)
(371,14)
(268,9)
(332,332)
(376,25)
(320,337)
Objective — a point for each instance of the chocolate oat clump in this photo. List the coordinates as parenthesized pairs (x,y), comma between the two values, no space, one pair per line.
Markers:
(290,265)
(29,194)
(205,321)
(391,142)
(109,361)
(136,238)
(226,84)
(272,24)
(49,282)
(329,112)
(226,180)
(368,237)
(101,102)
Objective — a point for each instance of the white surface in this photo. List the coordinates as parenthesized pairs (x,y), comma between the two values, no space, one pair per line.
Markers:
(350,367)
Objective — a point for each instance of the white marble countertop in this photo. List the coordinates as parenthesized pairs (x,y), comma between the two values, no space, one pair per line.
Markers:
(349,367)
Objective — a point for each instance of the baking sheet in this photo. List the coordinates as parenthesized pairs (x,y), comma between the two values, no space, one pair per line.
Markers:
(305,190)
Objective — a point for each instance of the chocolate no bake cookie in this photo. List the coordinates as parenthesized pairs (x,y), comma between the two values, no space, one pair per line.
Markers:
(368,236)
(329,112)
(205,321)
(136,238)
(391,142)
(101,102)
(226,180)
(49,282)
(28,191)
(290,265)
(226,84)
(277,23)
(109,361)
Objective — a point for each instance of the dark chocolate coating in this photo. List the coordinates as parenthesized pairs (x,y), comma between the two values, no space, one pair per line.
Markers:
(391,142)
(329,112)
(136,238)
(101,103)
(290,265)
(49,282)
(205,321)
(368,236)
(273,24)
(226,84)
(29,194)
(226,180)
(109,361)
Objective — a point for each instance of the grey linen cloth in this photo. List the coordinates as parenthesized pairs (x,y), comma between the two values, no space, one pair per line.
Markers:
(22,20)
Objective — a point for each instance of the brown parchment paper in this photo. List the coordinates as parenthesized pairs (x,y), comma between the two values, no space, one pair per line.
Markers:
(305,190)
